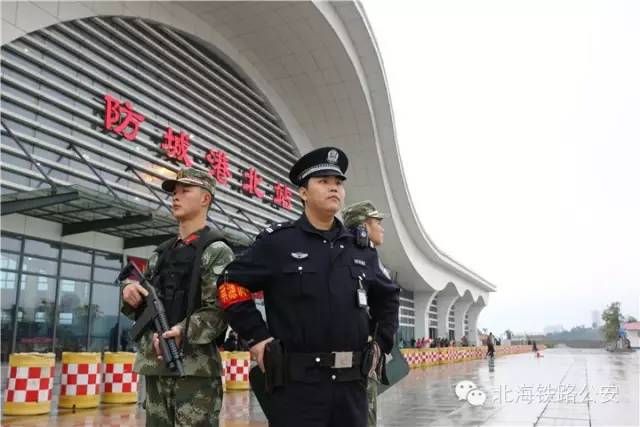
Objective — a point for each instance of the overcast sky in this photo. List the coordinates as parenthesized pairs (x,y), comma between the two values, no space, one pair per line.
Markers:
(519,129)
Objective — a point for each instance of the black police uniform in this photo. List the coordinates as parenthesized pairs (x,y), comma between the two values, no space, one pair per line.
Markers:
(314,284)
(310,283)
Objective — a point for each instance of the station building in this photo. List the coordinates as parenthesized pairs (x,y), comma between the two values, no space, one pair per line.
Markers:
(101,101)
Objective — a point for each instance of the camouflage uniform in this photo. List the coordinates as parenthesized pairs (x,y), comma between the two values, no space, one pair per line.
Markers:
(354,215)
(196,398)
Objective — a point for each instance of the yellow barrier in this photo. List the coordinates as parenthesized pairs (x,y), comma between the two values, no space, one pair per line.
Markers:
(120,382)
(30,384)
(410,356)
(237,370)
(432,357)
(80,380)
(426,357)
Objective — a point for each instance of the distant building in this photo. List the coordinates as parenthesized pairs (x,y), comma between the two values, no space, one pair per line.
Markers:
(552,329)
(632,330)
(596,318)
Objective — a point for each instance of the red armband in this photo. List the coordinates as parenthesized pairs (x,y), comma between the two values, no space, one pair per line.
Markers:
(231,293)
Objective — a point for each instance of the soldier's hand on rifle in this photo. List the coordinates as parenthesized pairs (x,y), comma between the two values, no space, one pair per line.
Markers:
(257,352)
(133,293)
(174,332)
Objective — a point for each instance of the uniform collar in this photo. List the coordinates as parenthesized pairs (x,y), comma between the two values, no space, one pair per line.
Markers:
(193,237)
(303,222)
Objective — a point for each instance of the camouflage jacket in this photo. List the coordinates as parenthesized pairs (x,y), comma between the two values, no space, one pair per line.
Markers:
(201,357)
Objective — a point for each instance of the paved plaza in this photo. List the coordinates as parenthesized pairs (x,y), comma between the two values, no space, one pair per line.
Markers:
(565,387)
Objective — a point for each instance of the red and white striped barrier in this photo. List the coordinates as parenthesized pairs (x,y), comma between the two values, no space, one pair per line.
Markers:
(120,382)
(224,356)
(237,370)
(80,380)
(424,357)
(30,386)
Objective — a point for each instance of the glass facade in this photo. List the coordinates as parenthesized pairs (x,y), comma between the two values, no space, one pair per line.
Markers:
(67,299)
(406,329)
(58,297)
(54,84)
(452,322)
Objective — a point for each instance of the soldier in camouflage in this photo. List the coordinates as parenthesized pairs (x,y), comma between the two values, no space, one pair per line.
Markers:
(196,398)
(365,213)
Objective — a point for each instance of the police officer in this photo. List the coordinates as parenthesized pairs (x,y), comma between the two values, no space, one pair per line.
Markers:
(322,290)
(366,215)
(195,399)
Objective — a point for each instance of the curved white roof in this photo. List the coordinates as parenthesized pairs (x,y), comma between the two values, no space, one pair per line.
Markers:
(319,65)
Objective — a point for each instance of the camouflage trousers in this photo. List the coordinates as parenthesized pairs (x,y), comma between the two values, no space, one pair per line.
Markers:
(187,401)
(372,401)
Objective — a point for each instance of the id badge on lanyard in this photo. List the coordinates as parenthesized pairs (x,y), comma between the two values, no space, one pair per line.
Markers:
(361,294)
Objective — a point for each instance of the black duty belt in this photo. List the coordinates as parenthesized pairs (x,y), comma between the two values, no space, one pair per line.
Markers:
(335,360)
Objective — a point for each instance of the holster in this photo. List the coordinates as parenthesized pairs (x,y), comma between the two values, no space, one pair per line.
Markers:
(275,365)
(368,354)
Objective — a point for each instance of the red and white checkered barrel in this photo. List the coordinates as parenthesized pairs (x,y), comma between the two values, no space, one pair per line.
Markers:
(458,354)
(30,383)
(237,369)
(432,356)
(120,382)
(80,380)
(412,357)
(224,357)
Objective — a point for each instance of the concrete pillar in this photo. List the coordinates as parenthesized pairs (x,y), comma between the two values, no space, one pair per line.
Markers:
(421,302)
(473,312)
(462,305)
(444,305)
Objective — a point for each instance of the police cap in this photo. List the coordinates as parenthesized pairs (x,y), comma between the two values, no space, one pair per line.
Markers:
(325,161)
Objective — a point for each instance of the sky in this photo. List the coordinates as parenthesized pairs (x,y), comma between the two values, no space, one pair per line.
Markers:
(518,124)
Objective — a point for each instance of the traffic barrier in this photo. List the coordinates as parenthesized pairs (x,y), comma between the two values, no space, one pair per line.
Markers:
(224,356)
(412,357)
(30,385)
(120,382)
(422,358)
(80,380)
(426,357)
(237,370)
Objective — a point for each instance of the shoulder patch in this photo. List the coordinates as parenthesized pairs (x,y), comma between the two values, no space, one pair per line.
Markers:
(273,228)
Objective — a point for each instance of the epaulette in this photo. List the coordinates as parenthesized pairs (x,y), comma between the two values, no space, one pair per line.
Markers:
(274,228)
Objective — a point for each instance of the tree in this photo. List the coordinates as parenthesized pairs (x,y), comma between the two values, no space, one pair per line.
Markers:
(612,318)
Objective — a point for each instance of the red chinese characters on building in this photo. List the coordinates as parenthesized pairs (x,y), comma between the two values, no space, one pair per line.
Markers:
(177,146)
(120,117)
(251,183)
(282,196)
(219,166)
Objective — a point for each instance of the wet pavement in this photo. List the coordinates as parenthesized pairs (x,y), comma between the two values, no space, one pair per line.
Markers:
(566,387)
